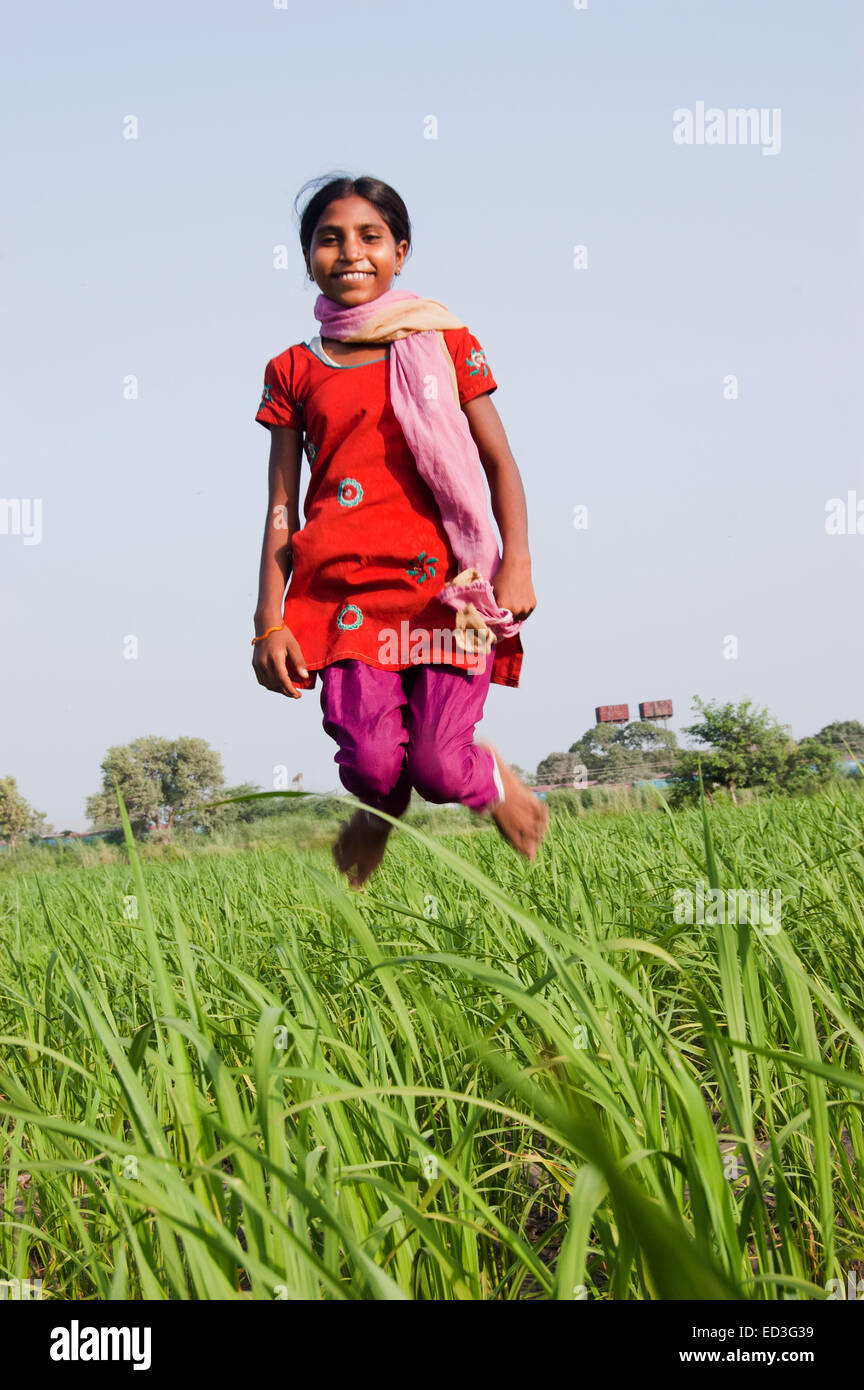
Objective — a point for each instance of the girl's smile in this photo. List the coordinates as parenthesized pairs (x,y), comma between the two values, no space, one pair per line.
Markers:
(353,255)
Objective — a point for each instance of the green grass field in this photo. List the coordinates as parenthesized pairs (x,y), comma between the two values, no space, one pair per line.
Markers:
(477,1079)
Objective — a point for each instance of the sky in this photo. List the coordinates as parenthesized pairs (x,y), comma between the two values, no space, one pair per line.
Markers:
(690,378)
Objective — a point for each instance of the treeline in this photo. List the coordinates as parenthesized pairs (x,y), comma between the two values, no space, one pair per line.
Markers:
(737,746)
(166,785)
(169,785)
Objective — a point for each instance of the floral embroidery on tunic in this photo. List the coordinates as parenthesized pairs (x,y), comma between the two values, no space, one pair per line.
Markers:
(423,567)
(311,451)
(350,492)
(347,611)
(267,398)
(476,361)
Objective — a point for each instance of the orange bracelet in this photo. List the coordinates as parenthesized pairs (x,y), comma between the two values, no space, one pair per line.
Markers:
(267,633)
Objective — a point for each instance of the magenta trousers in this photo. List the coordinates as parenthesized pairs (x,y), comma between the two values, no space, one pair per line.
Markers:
(413,728)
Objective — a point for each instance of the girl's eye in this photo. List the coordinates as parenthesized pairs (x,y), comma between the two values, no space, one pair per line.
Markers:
(328,238)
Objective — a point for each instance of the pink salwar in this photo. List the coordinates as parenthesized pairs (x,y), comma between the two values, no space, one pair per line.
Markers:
(398,729)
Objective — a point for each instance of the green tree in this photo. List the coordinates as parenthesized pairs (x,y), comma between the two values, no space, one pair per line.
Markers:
(808,766)
(626,752)
(746,747)
(555,768)
(161,780)
(595,743)
(652,741)
(17,816)
(617,764)
(845,736)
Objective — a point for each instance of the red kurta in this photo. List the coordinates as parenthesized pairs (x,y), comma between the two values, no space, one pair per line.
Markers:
(373,552)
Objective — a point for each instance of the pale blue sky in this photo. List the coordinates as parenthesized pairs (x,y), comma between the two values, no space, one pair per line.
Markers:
(154,257)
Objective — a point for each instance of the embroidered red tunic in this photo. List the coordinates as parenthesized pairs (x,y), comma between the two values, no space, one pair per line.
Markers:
(373,553)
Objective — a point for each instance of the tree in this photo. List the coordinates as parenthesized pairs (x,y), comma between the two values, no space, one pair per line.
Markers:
(843,735)
(556,767)
(811,763)
(626,752)
(746,747)
(161,781)
(650,740)
(615,765)
(595,743)
(17,816)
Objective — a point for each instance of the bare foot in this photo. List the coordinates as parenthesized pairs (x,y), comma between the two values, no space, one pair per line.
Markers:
(521,817)
(360,846)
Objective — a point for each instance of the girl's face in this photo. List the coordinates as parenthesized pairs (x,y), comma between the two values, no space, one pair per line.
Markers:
(353,256)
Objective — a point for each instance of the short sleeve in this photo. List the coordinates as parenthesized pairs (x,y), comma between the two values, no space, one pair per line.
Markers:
(473,373)
(278,405)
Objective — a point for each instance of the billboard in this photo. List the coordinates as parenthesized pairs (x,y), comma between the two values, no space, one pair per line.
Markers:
(612,714)
(655,709)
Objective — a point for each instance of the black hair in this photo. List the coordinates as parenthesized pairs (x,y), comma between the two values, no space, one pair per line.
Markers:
(329,187)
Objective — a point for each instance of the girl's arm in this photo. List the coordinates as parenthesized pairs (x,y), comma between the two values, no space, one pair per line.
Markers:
(272,659)
(512,584)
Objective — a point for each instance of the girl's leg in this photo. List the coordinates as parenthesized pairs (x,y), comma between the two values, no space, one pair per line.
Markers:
(363,711)
(444,763)
(522,817)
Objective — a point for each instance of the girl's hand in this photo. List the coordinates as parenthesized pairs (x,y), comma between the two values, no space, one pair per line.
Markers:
(274,658)
(513,588)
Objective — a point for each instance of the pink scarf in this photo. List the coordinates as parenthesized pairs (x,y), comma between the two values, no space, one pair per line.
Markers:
(425,398)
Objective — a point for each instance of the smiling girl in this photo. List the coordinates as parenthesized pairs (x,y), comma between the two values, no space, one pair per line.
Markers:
(398,595)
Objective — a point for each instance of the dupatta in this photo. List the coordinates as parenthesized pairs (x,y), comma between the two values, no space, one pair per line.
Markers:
(425,396)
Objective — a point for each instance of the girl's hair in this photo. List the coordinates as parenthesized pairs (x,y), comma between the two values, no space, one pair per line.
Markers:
(329,187)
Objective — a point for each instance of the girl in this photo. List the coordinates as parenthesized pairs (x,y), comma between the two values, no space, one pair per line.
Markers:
(391,595)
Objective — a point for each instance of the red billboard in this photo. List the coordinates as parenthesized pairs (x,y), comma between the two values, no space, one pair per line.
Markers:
(655,709)
(612,714)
